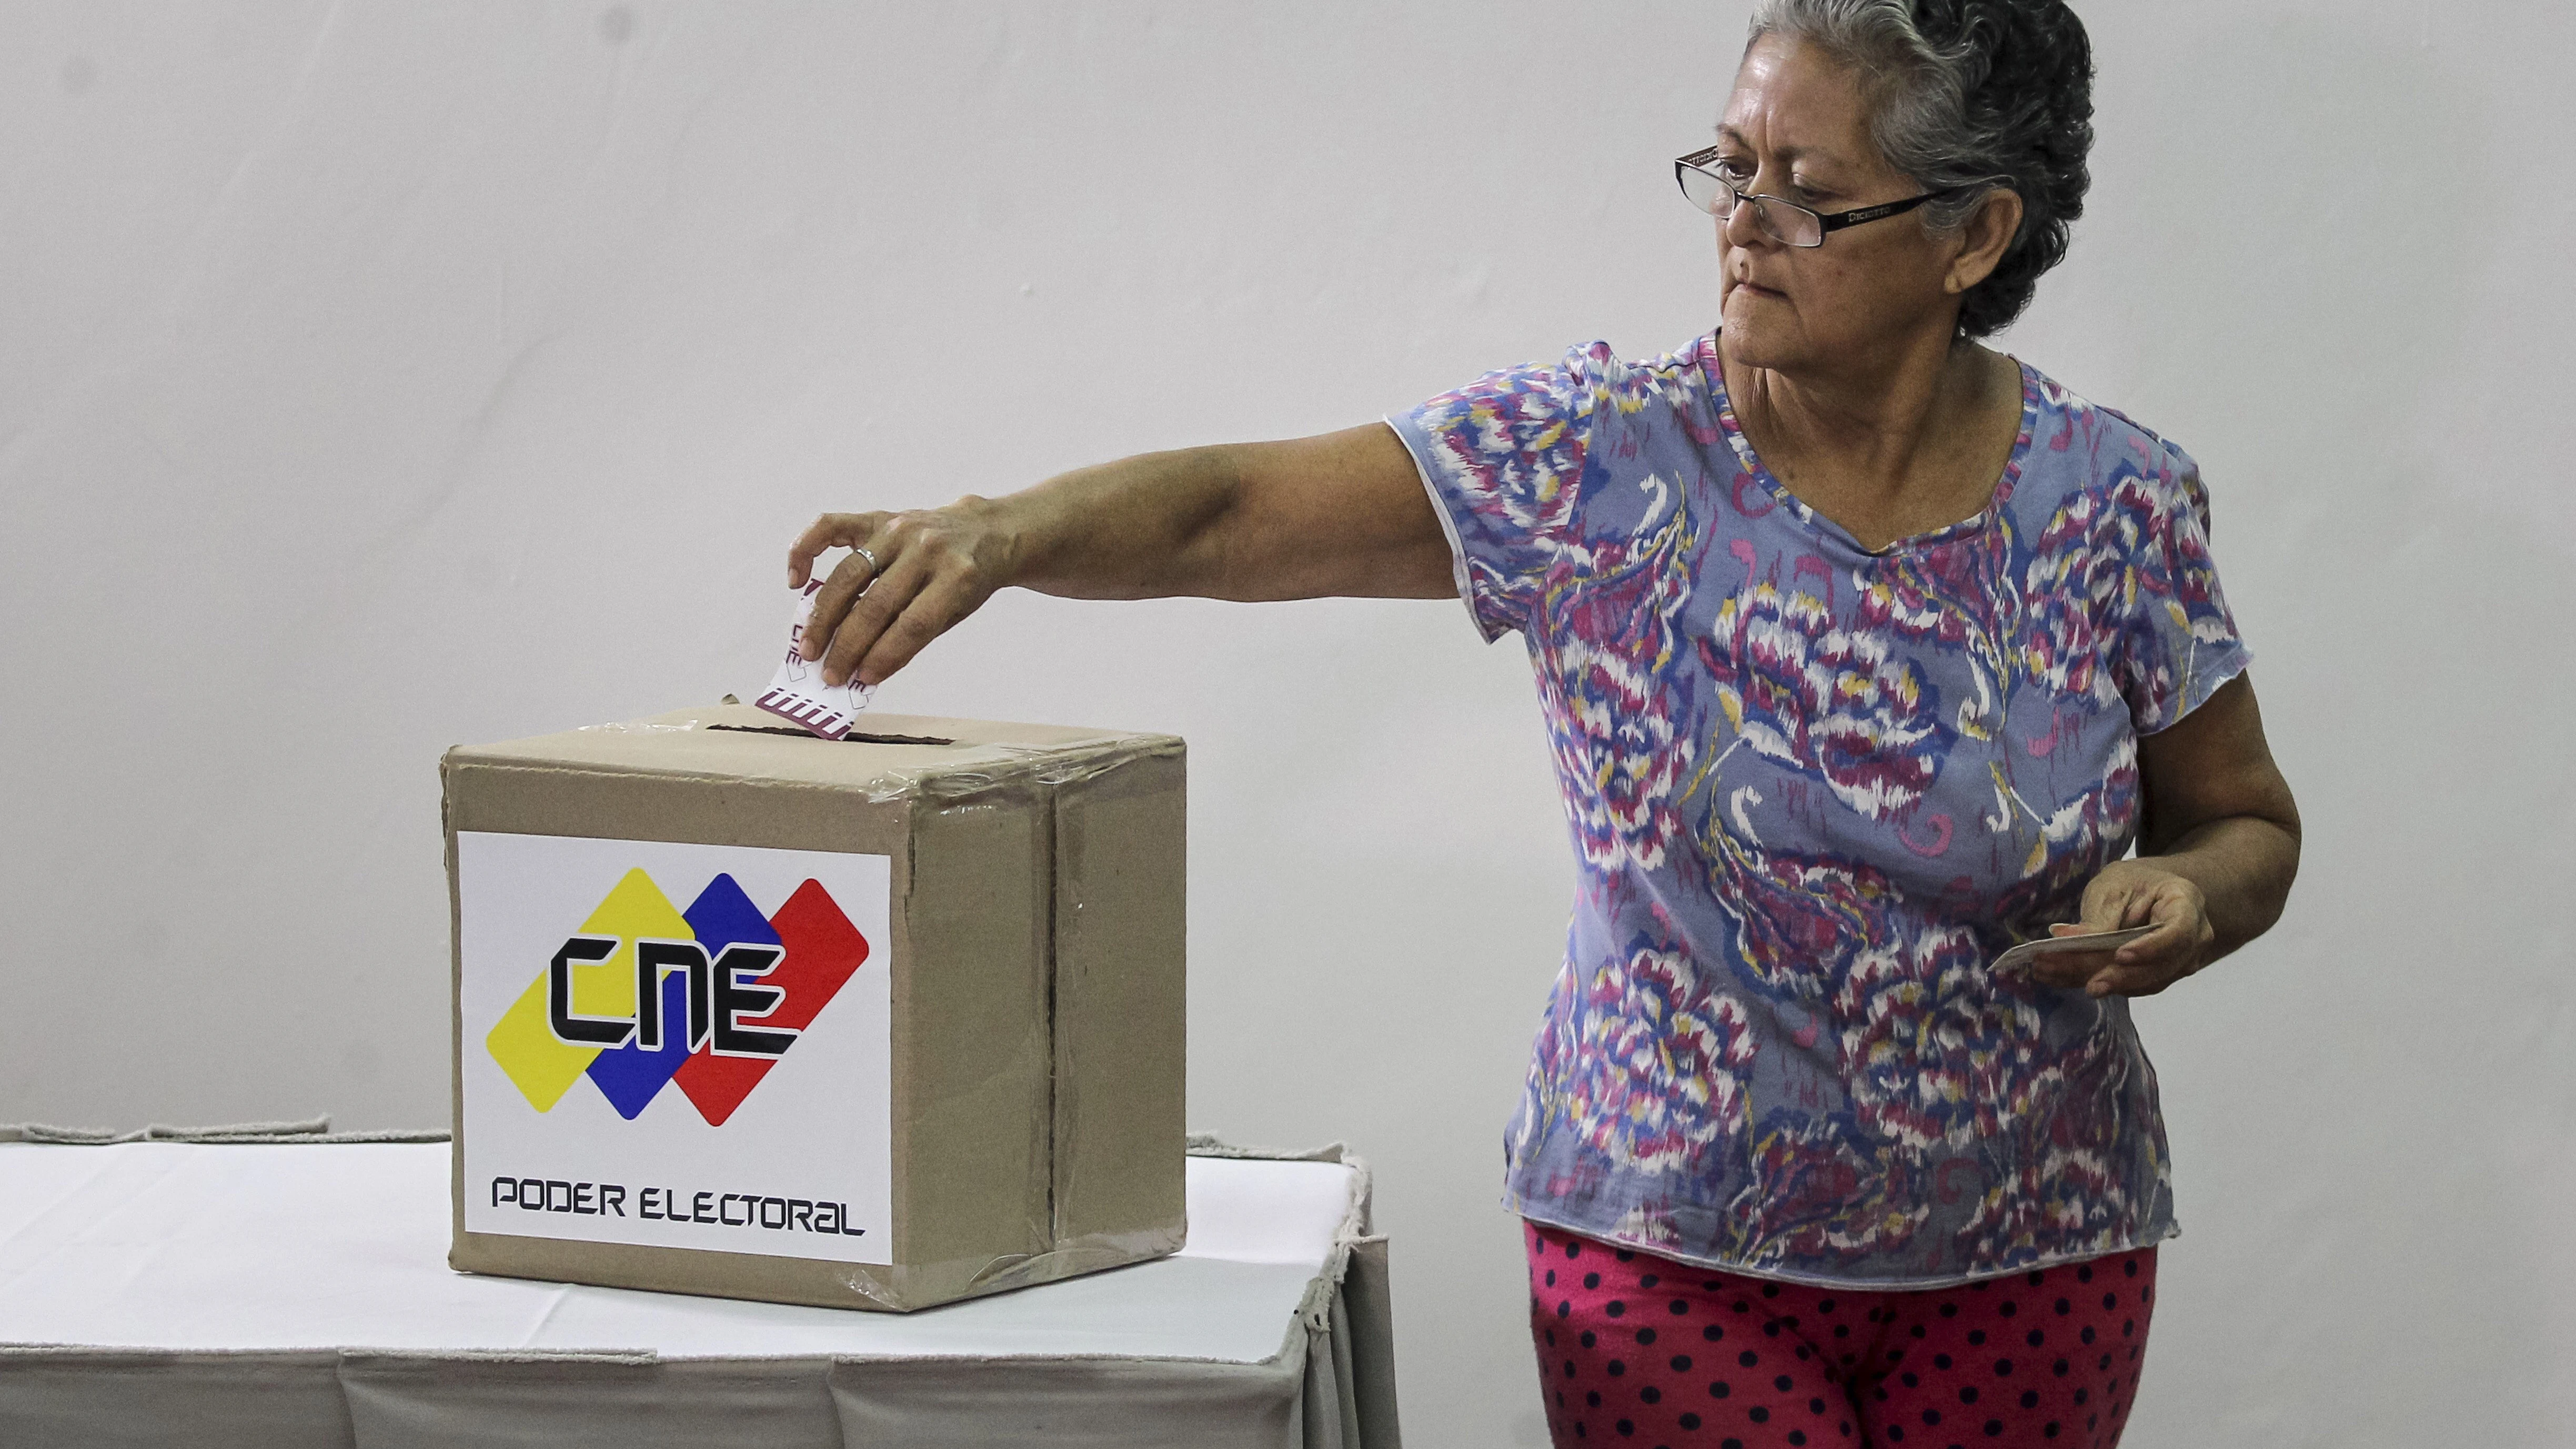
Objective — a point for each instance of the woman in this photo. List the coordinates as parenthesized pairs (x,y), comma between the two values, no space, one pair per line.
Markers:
(1866,653)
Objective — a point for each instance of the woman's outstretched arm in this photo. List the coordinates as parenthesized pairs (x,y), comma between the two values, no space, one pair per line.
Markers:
(1337,514)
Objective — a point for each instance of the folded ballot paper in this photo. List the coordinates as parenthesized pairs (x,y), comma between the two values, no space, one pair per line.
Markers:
(797,692)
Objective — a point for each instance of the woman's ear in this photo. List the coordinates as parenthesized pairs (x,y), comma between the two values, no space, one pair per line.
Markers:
(1984,240)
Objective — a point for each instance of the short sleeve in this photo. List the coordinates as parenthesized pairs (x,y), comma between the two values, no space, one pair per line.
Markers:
(2176,642)
(1503,461)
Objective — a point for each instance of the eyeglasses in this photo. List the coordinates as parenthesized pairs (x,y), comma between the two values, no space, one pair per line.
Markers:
(1786,221)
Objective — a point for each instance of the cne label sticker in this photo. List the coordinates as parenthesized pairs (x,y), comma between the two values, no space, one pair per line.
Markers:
(676,1045)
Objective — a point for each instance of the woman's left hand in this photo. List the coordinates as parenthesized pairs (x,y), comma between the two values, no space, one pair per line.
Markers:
(2135,893)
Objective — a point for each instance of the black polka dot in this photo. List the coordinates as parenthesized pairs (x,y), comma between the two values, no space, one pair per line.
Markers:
(1591,1280)
(2038,1278)
(2106,1360)
(2087,1334)
(1564,1307)
(1815,1406)
(1772,1329)
(1748,1358)
(1994,1428)
(1802,1351)
(1679,1306)
(2110,1300)
(1758,1414)
(1573,1248)
(1743,1307)
(2049,1429)
(1551,1277)
(1895,1433)
(1824,1305)
(1617,1368)
(2064,1307)
(1614,1308)
(2006,1309)
(1931,1416)
(1627,1427)
(1647,1281)
(1624,1255)
(2060,1370)
(1949,1310)
(1569,1368)
(1651,1394)
(1782,1383)
(2129,1329)
(2003,1366)
(1968,1394)
(1593,1398)
(1976,1338)
(1645,1335)
(1842,1330)
(2036,1338)
(1770,1290)
(1720,1389)
(1712,1333)
(2079,1395)
(1797,1436)
(2130,1267)
(2084,1274)
(1918,1330)
(1940,1360)
(1588,1339)
(1909,1380)
(1732,1444)
(1690,1421)
(1681,1363)
(2030,1398)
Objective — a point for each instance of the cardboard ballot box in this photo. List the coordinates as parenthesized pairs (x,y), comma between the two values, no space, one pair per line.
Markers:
(869,1023)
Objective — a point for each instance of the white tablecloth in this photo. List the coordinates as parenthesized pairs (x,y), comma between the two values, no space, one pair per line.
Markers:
(283,1296)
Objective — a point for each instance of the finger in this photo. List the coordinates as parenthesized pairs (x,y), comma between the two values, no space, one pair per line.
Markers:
(2144,978)
(850,578)
(869,618)
(933,612)
(2071,969)
(2106,906)
(832,530)
(2162,958)
(2169,936)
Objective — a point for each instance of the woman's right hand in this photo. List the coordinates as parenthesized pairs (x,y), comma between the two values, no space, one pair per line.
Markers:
(908,578)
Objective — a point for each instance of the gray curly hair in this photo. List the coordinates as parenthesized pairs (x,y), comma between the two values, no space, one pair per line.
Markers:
(1962,90)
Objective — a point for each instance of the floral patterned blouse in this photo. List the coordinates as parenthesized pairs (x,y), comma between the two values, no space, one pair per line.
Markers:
(1814,790)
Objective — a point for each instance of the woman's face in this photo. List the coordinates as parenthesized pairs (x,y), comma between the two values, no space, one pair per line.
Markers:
(1797,127)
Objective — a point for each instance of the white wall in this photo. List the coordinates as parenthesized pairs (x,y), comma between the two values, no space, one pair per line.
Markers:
(380,377)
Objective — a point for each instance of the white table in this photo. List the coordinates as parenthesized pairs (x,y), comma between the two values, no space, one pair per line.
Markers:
(292,1295)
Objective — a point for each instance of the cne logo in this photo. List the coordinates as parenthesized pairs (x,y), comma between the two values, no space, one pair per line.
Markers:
(645,995)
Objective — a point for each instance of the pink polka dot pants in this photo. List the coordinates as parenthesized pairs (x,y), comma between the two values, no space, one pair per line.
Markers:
(1637,1349)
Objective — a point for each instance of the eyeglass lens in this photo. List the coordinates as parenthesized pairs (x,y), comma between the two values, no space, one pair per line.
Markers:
(1782,222)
